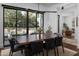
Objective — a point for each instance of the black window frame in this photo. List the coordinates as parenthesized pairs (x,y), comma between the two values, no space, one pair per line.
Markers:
(22,9)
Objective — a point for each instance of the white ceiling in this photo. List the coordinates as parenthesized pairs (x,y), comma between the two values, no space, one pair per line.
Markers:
(48,3)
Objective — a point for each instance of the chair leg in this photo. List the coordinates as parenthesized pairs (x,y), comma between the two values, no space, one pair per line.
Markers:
(47,52)
(26,52)
(63,48)
(57,51)
(36,54)
(54,51)
(43,53)
(10,52)
(39,53)
(21,51)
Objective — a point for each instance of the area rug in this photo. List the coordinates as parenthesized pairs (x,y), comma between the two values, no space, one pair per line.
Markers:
(68,52)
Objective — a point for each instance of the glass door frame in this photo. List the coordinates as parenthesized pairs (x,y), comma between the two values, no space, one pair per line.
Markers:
(23,9)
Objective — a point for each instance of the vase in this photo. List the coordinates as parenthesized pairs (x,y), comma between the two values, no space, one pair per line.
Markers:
(39,36)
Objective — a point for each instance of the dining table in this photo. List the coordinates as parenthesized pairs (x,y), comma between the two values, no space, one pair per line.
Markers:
(22,40)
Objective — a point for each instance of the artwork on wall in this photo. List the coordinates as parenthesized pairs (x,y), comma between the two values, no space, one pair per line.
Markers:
(76,21)
(73,23)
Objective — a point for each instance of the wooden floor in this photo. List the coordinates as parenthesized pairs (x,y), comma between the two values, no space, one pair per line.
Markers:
(77,54)
(68,52)
(72,47)
(66,45)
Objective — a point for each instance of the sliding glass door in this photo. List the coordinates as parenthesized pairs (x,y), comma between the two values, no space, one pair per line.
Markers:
(35,21)
(15,24)
(40,24)
(32,22)
(20,24)
(32,25)
(9,24)
(39,20)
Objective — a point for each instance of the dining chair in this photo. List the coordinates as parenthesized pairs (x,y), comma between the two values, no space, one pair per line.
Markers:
(59,42)
(49,45)
(36,48)
(14,46)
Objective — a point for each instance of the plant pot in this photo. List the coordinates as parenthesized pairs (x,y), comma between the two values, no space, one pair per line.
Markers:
(39,36)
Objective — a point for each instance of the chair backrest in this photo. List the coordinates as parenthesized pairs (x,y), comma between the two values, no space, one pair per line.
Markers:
(50,43)
(36,47)
(58,41)
(12,43)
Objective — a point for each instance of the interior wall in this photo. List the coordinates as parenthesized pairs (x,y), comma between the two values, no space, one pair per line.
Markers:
(51,19)
(1,26)
(61,24)
(77,28)
(75,13)
(68,20)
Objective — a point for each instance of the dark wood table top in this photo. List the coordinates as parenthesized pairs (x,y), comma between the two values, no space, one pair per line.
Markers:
(22,40)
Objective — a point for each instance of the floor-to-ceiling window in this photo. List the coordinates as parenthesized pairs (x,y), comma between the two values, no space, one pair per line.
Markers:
(35,20)
(15,24)
(9,24)
(40,20)
(32,22)
(20,23)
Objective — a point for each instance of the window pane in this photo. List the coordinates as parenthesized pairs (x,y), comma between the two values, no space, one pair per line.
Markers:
(40,24)
(21,22)
(21,25)
(9,24)
(39,20)
(32,23)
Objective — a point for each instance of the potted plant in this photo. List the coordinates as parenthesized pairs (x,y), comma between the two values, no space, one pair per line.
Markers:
(40,30)
(49,32)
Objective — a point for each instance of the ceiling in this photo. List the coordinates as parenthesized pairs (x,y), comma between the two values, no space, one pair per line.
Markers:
(48,3)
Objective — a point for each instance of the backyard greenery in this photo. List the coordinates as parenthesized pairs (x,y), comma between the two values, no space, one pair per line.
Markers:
(15,23)
(21,16)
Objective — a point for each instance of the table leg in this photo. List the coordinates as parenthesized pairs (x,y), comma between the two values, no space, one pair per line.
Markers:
(0,52)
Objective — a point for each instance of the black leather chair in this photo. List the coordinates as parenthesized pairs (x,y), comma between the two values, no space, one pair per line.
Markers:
(59,42)
(49,45)
(36,48)
(14,46)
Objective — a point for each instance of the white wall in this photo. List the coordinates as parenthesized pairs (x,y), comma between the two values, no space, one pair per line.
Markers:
(52,20)
(77,28)
(1,26)
(61,23)
(68,20)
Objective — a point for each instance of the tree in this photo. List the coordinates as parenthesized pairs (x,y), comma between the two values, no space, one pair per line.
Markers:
(21,17)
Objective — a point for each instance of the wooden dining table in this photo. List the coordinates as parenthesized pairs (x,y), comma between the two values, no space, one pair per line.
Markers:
(22,40)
